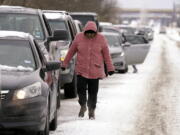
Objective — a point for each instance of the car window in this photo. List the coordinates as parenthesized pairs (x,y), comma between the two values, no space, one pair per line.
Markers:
(113,40)
(59,24)
(135,39)
(22,22)
(16,53)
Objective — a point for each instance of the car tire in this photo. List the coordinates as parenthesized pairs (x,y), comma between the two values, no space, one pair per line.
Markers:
(70,89)
(124,70)
(53,124)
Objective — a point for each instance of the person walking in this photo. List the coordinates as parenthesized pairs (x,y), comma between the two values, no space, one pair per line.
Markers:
(92,52)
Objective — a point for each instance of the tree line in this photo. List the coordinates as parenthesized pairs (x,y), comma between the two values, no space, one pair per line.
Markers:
(106,9)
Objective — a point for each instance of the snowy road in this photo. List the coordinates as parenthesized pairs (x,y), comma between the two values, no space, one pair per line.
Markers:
(147,103)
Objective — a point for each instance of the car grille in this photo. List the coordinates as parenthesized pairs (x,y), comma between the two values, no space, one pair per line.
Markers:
(3,94)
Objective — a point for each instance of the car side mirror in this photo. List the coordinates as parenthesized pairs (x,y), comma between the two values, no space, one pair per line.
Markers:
(59,35)
(50,66)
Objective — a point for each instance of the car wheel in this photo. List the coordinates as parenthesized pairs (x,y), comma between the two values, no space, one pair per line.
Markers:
(70,89)
(124,70)
(53,124)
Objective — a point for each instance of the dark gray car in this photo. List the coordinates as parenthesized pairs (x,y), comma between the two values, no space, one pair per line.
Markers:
(28,94)
(28,20)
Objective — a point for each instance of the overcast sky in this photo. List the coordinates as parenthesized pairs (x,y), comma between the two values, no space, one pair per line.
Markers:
(150,4)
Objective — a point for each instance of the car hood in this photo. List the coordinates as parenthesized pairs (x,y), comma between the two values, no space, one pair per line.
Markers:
(11,80)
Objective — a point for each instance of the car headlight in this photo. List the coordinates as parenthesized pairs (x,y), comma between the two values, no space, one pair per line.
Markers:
(30,91)
(63,54)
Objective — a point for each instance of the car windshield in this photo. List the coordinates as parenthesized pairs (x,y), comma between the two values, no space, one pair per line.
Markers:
(59,24)
(83,19)
(135,39)
(22,22)
(16,55)
(113,40)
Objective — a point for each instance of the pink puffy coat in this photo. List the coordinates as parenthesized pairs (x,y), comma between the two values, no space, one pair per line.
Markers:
(91,54)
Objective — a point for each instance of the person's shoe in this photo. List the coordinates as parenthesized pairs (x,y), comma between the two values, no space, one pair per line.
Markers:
(82,111)
(91,114)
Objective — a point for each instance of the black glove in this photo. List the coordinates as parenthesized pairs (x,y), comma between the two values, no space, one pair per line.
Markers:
(63,68)
(110,72)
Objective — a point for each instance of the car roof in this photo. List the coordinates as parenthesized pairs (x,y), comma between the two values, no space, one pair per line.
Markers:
(18,9)
(83,13)
(53,15)
(56,11)
(14,35)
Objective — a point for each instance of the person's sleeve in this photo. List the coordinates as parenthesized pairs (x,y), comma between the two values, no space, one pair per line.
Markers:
(70,54)
(107,57)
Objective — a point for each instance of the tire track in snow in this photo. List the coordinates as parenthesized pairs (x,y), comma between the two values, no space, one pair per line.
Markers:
(154,113)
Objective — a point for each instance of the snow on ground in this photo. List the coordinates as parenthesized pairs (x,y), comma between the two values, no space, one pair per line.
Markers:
(173,54)
(159,114)
(146,103)
(174,34)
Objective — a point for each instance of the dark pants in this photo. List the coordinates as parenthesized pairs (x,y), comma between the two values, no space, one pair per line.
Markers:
(92,85)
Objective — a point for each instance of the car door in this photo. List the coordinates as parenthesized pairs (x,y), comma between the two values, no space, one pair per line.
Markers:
(136,49)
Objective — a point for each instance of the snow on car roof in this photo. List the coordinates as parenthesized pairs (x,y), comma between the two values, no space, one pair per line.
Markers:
(4,34)
(83,13)
(55,11)
(17,9)
(53,15)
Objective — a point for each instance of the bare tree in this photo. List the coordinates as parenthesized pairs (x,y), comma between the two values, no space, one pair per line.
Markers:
(105,8)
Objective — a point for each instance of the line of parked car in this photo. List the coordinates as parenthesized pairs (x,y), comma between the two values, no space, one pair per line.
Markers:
(33,43)
(30,58)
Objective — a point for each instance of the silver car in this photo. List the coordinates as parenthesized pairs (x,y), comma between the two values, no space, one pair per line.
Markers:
(116,51)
